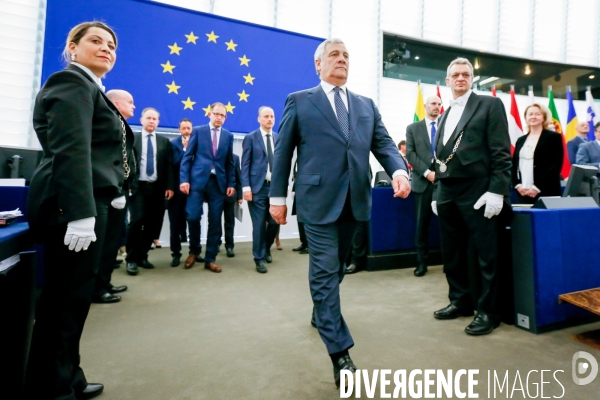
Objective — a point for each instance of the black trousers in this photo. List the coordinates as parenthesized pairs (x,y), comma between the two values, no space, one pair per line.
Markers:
(146,211)
(177,221)
(423,214)
(115,224)
(229,222)
(53,370)
(461,224)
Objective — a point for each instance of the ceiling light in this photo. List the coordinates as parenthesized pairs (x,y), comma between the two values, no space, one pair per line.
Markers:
(527,70)
(476,66)
(416,57)
(488,80)
(592,76)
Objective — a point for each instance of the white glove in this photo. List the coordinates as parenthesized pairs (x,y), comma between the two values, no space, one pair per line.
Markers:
(493,204)
(434,207)
(80,234)
(119,203)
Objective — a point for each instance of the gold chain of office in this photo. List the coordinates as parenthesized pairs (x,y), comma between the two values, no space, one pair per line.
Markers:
(442,164)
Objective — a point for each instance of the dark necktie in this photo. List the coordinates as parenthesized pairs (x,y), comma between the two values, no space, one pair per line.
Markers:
(149,157)
(433,131)
(269,152)
(342,113)
(214,142)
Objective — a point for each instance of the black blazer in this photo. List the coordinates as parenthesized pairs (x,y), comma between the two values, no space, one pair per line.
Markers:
(238,182)
(164,161)
(81,134)
(418,153)
(547,163)
(485,147)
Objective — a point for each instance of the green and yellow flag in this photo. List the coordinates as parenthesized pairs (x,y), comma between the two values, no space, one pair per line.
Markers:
(566,167)
(420,108)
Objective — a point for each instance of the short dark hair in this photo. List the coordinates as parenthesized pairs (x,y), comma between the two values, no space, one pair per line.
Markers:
(597,125)
(401,143)
(185,120)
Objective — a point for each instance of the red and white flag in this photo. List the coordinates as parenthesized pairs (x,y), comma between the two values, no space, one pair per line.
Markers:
(494,91)
(515,129)
(440,96)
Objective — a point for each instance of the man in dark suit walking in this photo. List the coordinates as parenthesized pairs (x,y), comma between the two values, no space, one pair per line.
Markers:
(573,145)
(147,204)
(257,167)
(420,139)
(207,175)
(176,206)
(472,166)
(333,130)
(229,208)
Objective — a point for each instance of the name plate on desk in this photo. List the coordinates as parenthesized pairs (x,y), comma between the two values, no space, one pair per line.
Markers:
(553,203)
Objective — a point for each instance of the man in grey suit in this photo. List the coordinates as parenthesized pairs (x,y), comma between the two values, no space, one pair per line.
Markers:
(333,131)
(589,153)
(257,167)
(420,141)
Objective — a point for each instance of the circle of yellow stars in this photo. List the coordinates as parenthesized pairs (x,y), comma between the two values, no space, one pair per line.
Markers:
(211,37)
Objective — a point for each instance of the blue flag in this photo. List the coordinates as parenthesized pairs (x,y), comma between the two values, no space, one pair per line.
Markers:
(180,61)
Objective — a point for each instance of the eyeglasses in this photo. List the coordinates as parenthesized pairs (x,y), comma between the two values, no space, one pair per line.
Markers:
(219,115)
(465,75)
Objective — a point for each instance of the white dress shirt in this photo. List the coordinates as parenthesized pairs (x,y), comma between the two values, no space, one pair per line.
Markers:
(437,129)
(143,175)
(264,137)
(212,171)
(457,107)
(526,162)
(89,72)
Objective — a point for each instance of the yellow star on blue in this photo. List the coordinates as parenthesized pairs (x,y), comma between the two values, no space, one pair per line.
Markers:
(175,49)
(244,61)
(188,104)
(243,96)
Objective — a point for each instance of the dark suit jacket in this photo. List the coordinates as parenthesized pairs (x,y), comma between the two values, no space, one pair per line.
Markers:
(589,154)
(255,162)
(238,182)
(484,151)
(198,160)
(547,163)
(418,153)
(164,161)
(328,166)
(82,138)
(177,149)
(572,147)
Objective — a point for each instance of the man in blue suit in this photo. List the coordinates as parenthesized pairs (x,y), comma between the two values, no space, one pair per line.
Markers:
(207,175)
(257,166)
(176,207)
(573,145)
(333,130)
(589,153)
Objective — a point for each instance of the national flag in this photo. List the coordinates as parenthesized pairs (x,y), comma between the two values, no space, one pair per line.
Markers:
(515,129)
(566,168)
(572,119)
(440,96)
(591,114)
(420,107)
(494,91)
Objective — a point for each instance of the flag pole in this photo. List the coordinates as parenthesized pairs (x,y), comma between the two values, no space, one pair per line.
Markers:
(512,87)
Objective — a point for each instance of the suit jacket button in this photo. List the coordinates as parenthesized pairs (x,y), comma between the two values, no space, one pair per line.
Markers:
(117,162)
(60,211)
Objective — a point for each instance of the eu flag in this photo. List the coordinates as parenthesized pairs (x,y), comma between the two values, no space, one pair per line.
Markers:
(179,61)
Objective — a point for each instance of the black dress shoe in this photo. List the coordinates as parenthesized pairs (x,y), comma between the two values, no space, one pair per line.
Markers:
(261,267)
(117,289)
(268,258)
(452,312)
(92,390)
(351,269)
(117,264)
(106,299)
(176,261)
(344,362)
(303,251)
(421,270)
(132,268)
(313,322)
(199,258)
(482,325)
(146,264)
(230,252)
(299,248)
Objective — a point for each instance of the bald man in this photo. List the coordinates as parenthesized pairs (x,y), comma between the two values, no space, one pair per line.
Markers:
(104,291)
(419,152)
(573,145)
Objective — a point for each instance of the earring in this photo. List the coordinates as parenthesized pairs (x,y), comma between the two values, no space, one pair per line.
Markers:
(72,57)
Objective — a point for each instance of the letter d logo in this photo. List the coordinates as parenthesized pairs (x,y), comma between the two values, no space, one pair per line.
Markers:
(582,367)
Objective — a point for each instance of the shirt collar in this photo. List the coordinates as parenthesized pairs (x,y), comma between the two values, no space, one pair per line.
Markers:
(146,133)
(328,87)
(264,133)
(89,72)
(462,100)
(429,121)
(210,125)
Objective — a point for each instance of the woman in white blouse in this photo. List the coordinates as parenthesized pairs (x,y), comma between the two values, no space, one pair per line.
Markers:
(538,158)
